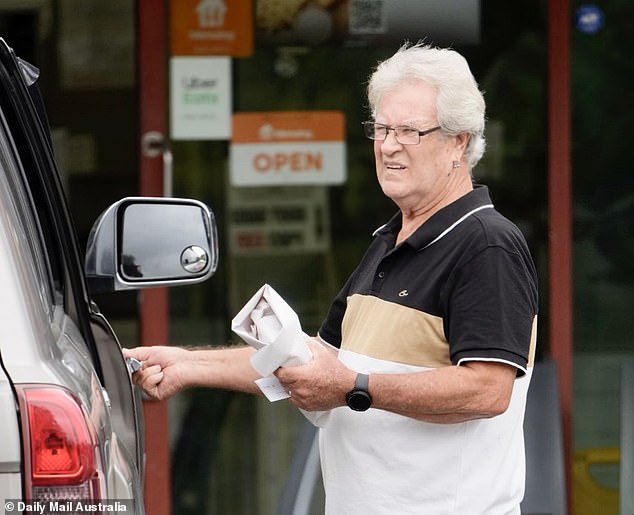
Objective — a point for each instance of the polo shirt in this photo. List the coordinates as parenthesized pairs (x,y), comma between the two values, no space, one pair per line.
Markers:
(462,287)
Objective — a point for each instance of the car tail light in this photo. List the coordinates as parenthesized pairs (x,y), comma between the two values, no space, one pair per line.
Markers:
(61,453)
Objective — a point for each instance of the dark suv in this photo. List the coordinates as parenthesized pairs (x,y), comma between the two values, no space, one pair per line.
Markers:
(71,426)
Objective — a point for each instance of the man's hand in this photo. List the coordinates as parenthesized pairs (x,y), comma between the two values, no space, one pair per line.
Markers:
(163,371)
(320,384)
(166,371)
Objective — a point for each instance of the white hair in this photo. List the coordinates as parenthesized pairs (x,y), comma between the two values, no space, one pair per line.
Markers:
(459,104)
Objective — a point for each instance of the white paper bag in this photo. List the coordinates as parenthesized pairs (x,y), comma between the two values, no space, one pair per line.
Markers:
(269,324)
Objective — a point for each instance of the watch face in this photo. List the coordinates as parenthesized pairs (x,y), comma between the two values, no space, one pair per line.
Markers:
(358,400)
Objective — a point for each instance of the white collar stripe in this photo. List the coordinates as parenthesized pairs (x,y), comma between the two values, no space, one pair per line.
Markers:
(456,223)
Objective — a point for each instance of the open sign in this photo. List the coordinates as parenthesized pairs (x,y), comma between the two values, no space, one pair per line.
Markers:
(286,148)
(265,162)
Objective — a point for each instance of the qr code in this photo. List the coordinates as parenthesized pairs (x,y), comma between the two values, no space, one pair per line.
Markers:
(367,16)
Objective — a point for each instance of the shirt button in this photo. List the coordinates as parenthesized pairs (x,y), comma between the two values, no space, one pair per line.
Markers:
(381,275)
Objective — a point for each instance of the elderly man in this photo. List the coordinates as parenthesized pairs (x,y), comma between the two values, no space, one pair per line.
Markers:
(424,359)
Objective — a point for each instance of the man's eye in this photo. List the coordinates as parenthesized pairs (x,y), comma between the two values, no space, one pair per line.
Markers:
(407,131)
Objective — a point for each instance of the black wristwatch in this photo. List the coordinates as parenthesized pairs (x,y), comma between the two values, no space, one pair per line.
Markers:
(359,398)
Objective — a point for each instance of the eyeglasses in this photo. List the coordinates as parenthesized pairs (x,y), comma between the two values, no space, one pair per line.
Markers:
(404,135)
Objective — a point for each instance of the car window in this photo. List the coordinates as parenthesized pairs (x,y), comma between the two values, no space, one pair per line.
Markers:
(39,202)
(18,207)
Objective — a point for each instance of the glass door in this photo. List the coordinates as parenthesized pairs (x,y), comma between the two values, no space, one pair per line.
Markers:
(603,252)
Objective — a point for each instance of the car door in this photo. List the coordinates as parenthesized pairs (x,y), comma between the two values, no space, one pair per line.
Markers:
(83,327)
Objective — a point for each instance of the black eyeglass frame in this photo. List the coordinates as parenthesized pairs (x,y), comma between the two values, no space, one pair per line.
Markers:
(389,128)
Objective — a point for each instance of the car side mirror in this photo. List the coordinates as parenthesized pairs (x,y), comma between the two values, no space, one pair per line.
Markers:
(142,242)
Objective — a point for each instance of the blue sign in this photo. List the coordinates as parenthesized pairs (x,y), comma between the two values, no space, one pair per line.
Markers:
(589,18)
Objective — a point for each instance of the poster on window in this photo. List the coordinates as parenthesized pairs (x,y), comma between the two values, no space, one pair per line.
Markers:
(200,98)
(367,21)
(211,27)
(287,148)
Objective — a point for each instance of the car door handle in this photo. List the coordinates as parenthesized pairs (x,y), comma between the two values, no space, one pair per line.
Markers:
(133,365)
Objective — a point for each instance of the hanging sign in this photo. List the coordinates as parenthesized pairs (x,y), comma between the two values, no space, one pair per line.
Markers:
(200,98)
(287,147)
(211,27)
(300,22)
(293,219)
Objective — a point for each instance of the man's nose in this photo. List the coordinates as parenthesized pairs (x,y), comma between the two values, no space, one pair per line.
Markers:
(390,139)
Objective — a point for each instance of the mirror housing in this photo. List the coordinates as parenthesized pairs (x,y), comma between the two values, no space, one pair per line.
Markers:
(143,242)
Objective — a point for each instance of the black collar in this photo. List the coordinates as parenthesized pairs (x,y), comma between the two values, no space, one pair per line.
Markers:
(440,221)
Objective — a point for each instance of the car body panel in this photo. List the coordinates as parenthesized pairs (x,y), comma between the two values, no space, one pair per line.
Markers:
(52,336)
(10,458)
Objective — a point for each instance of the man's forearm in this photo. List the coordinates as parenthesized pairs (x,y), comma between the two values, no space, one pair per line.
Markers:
(227,368)
(446,395)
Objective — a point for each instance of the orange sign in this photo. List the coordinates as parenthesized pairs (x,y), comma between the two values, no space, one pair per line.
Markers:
(288,147)
(212,27)
(277,126)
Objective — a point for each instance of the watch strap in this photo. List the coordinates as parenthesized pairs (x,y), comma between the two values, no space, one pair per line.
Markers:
(362,382)
(359,398)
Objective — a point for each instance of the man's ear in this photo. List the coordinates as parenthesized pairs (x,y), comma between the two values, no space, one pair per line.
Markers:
(462,140)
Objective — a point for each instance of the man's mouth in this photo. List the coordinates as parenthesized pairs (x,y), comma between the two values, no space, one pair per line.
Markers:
(394,166)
